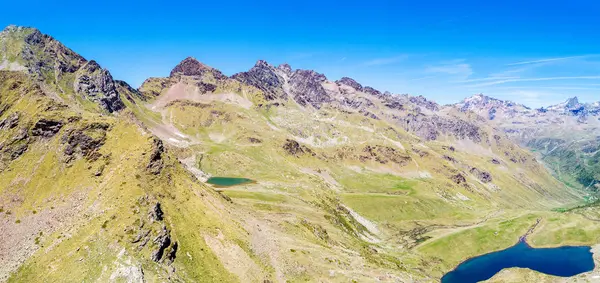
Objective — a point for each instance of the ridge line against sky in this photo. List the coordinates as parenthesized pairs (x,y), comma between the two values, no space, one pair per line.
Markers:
(536,53)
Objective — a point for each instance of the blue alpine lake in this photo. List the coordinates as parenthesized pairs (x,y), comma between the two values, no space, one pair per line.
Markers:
(562,261)
(228,181)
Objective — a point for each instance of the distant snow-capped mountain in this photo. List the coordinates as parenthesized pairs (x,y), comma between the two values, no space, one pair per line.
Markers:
(491,108)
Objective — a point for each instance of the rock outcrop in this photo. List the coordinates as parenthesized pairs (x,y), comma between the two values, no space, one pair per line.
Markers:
(156,163)
(156,213)
(384,155)
(266,78)
(10,121)
(46,128)
(85,142)
(350,82)
(292,147)
(431,127)
(371,91)
(97,85)
(162,241)
(423,102)
(306,88)
(483,176)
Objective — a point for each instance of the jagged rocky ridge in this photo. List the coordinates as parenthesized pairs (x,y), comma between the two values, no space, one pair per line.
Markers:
(310,89)
(65,71)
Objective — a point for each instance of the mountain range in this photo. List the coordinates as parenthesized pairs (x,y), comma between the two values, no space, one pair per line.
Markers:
(100,181)
(565,135)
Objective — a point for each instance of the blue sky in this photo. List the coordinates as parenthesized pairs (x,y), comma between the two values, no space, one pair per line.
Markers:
(537,53)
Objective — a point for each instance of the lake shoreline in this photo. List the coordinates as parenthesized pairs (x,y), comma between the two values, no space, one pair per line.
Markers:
(456,271)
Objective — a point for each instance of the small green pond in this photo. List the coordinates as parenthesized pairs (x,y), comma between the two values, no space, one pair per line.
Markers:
(228,181)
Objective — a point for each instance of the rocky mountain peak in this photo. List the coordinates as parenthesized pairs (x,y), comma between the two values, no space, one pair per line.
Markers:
(190,67)
(263,64)
(50,62)
(490,107)
(480,99)
(350,82)
(483,101)
(572,102)
(13,29)
(285,68)
(569,105)
(264,77)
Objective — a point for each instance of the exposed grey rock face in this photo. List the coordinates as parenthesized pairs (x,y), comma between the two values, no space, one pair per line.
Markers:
(483,176)
(156,163)
(172,254)
(371,91)
(85,142)
(459,179)
(156,213)
(192,67)
(423,102)
(306,88)
(266,78)
(46,128)
(42,55)
(285,69)
(142,235)
(394,104)
(97,85)
(163,240)
(384,155)
(10,121)
(14,147)
(49,61)
(206,87)
(357,103)
(292,147)
(350,82)
(431,127)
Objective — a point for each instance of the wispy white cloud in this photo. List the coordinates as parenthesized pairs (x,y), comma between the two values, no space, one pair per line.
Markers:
(504,81)
(494,78)
(546,60)
(422,78)
(386,61)
(582,87)
(534,83)
(533,98)
(460,70)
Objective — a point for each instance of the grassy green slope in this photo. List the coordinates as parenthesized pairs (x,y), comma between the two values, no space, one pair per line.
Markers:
(410,193)
(75,218)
